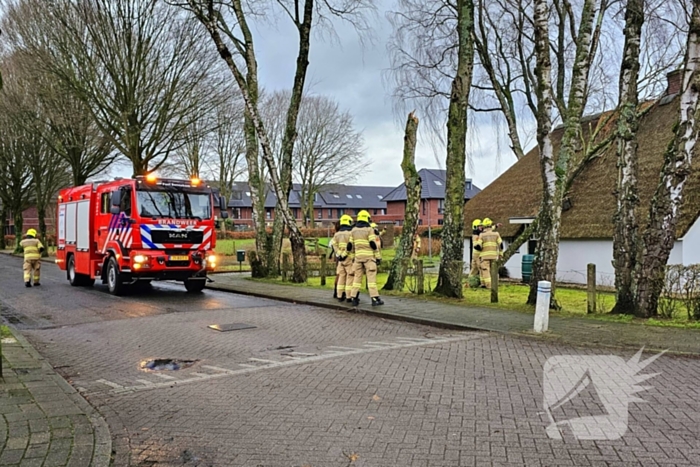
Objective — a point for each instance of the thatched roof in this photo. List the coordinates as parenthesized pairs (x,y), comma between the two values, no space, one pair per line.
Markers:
(518,192)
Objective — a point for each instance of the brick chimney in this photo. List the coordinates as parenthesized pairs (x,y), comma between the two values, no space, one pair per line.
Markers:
(675,81)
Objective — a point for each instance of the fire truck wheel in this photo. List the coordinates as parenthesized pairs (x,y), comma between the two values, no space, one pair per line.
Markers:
(114,283)
(195,286)
(75,279)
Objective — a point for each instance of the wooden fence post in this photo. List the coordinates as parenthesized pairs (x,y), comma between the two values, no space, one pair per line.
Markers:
(322,273)
(494,281)
(591,288)
(285,265)
(420,282)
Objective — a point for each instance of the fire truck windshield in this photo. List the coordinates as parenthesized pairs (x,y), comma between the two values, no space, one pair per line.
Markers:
(172,204)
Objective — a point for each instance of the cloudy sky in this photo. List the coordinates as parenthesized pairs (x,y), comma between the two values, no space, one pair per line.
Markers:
(351,73)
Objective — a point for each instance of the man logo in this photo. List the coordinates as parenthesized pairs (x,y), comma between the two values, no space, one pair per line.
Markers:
(615,382)
(177,235)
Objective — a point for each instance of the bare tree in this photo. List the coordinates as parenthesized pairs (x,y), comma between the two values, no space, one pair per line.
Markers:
(664,211)
(228,146)
(238,38)
(328,150)
(625,220)
(412,182)
(135,65)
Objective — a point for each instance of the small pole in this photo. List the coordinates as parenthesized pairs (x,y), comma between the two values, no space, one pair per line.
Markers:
(494,281)
(420,283)
(591,288)
(323,270)
(544,296)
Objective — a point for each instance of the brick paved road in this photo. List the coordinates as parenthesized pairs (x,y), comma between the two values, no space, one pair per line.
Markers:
(326,388)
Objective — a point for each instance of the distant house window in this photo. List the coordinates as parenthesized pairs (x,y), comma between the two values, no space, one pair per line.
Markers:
(357,211)
(425,210)
(330,213)
(375,212)
(380,197)
(441,206)
(341,213)
(469,185)
(359,196)
(236,213)
(437,182)
(382,212)
(335,195)
(247,193)
(295,212)
(237,195)
(268,213)
(320,214)
(349,196)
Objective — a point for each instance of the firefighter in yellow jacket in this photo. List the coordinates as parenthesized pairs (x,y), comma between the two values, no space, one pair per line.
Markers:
(489,246)
(363,243)
(32,258)
(344,270)
(474,269)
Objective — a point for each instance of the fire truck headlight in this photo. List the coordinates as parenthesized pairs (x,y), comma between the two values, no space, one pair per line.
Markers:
(211,261)
(140,258)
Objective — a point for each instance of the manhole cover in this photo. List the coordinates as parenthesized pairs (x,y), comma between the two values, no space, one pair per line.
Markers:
(230,327)
(159,364)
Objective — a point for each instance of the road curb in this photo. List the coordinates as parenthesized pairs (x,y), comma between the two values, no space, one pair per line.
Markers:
(102,450)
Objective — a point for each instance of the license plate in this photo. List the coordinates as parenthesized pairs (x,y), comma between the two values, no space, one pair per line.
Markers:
(179,258)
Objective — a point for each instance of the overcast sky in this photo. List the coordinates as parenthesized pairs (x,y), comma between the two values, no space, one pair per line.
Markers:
(351,73)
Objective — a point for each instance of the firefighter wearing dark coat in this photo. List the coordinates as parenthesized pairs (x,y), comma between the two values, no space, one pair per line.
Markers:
(32,258)
(489,246)
(344,269)
(364,244)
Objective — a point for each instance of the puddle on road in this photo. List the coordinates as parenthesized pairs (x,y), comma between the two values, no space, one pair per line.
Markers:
(166,364)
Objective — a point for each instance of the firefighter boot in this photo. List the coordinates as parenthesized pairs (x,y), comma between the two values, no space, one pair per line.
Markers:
(356,300)
(377,301)
(342,297)
(37,284)
(27,284)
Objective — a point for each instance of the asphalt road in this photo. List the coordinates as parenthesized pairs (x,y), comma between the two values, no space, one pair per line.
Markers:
(313,387)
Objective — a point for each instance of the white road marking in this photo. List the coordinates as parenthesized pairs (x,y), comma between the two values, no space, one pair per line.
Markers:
(201,375)
(110,384)
(262,360)
(161,375)
(271,364)
(381,343)
(145,382)
(300,354)
(214,368)
(341,348)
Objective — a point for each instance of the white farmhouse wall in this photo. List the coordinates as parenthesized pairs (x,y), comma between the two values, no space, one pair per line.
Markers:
(691,245)
(574,256)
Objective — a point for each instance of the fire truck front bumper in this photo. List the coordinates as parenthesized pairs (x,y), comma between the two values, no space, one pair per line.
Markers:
(160,266)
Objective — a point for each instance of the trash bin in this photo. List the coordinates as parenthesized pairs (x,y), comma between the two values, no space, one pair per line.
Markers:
(527,267)
(240,256)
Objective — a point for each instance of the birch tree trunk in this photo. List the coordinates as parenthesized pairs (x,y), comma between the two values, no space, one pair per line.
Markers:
(625,223)
(665,207)
(555,173)
(412,181)
(543,90)
(451,264)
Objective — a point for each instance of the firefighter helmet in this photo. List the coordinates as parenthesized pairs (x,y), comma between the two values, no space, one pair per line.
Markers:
(373,225)
(363,216)
(31,233)
(487,222)
(476,223)
(345,220)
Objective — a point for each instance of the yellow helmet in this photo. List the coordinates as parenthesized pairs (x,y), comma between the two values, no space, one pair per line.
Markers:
(487,222)
(363,216)
(476,223)
(373,225)
(31,232)
(345,220)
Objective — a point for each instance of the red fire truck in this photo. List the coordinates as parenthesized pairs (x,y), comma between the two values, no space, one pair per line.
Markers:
(137,230)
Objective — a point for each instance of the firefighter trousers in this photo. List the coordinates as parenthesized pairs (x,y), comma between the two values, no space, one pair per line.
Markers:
(32,270)
(475,268)
(344,272)
(368,266)
(485,268)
